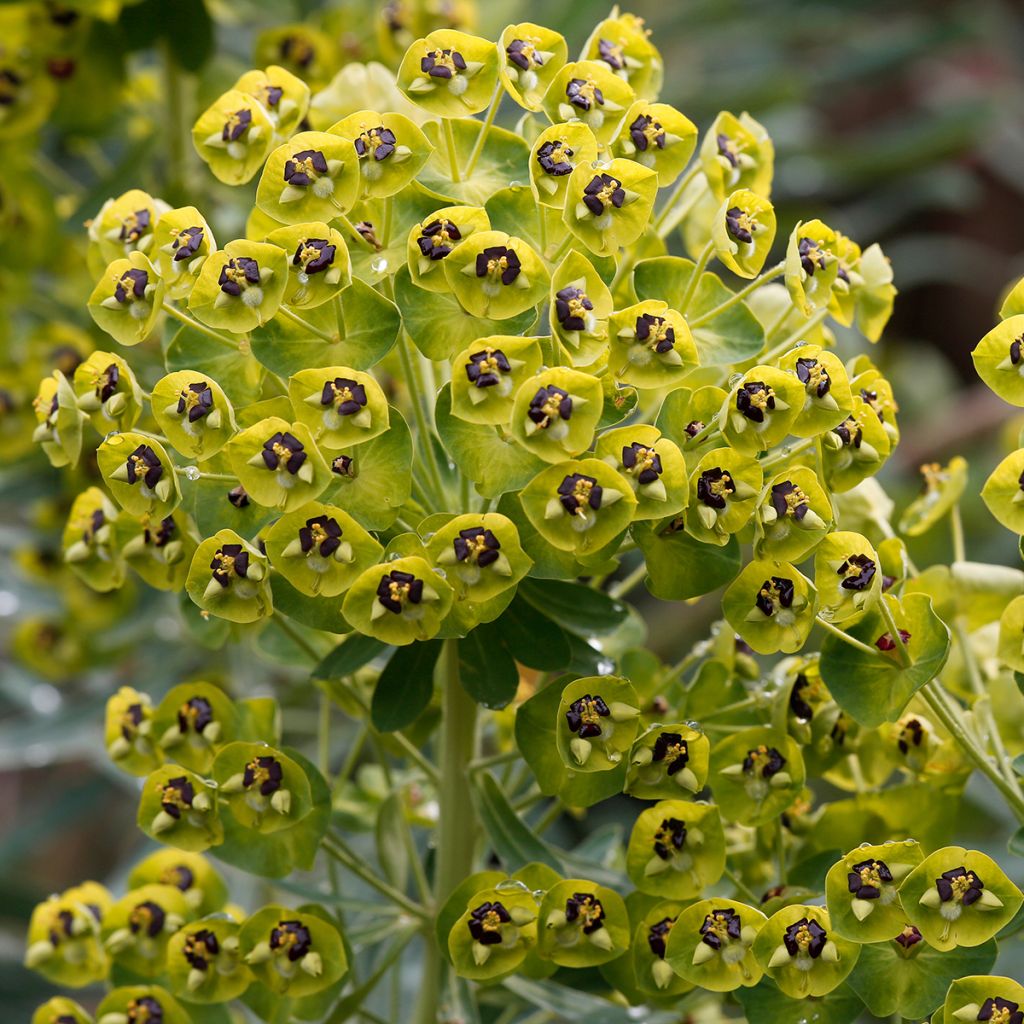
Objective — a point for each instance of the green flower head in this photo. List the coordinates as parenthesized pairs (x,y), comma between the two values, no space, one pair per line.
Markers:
(194,413)
(737,154)
(140,474)
(391,150)
(63,942)
(761,409)
(181,242)
(589,91)
(756,774)
(529,58)
(228,578)
(1003,492)
(711,945)
(108,392)
(555,413)
(240,287)
(609,205)
(556,152)
(623,43)
(204,962)
(265,790)
(856,448)
(159,549)
(811,265)
(140,1004)
(234,136)
(772,606)
(653,465)
(283,96)
(743,232)
(676,849)
(90,543)
(793,517)
(596,723)
(487,375)
(798,948)
(657,136)
(137,927)
(495,934)
(399,601)
(724,487)
(652,973)
(292,952)
(668,759)
(650,345)
(124,225)
(319,267)
(496,275)
(828,399)
(179,808)
(192,722)
(847,576)
(1011,635)
(190,873)
(480,555)
(60,1010)
(580,304)
(128,732)
(126,301)
(942,487)
(983,997)
(449,73)
(339,406)
(582,924)
(433,239)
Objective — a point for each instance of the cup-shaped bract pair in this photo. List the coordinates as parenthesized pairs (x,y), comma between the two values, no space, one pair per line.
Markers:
(61,1010)
(847,576)
(319,268)
(234,136)
(828,399)
(855,449)
(596,723)
(609,205)
(133,1003)
(480,554)
(724,487)
(999,359)
(761,409)
(240,287)
(676,849)
(623,42)
(650,345)
(581,303)
(123,225)
(204,963)
(137,928)
(389,147)
(487,375)
(941,489)
(450,73)
(340,406)
(433,239)
(589,91)
(811,266)
(581,924)
(557,152)
(657,136)
(140,474)
(192,722)
(191,874)
(181,242)
(555,413)
(737,154)
(264,789)
(743,232)
(90,542)
(159,549)
(128,732)
(756,774)
(495,934)
(179,808)
(63,942)
(711,945)
(229,578)
(982,997)
(59,421)
(1003,492)
(793,517)
(668,760)
(496,275)
(529,57)
(653,466)
(127,299)
(194,413)
(108,392)
(771,604)
(284,97)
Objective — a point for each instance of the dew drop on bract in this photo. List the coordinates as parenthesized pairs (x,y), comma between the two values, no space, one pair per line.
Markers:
(441,573)
(192,473)
(378,264)
(512,885)
(114,437)
(515,184)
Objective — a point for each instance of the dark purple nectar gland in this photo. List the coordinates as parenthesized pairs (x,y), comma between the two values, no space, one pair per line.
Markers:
(346,395)
(131,718)
(799,703)
(777,592)
(131,286)
(379,142)
(237,274)
(601,191)
(577,492)
(397,589)
(437,238)
(144,1010)
(909,937)
(195,715)
(196,400)
(478,546)
(740,224)
(584,716)
(272,95)
(186,243)
(763,761)
(959,886)
(870,396)
(611,54)
(865,880)
(343,465)
(997,1010)
(179,876)
(147,918)
(236,125)
(857,571)
(849,432)
(805,938)
(176,795)
(554,158)
(728,149)
(583,94)
(229,561)
(548,404)
(694,427)
(485,922)
(442,63)
(657,936)
(134,226)
(720,927)
(812,257)
(297,50)
(671,748)
(655,332)
(10,82)
(498,262)
(238,497)
(643,462)
(669,838)
(143,465)
(321,534)
(1015,350)
(911,735)
(789,500)
(163,534)
(753,399)
(304,168)
(283,451)
(814,377)
(314,255)
(97,521)
(291,937)
(265,773)
(485,368)
(645,132)
(886,642)
(105,383)
(201,947)
(586,908)
(524,54)
(571,307)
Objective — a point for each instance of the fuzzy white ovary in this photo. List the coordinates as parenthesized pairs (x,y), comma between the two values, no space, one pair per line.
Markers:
(139,310)
(323,188)
(457,85)
(373,169)
(583,519)
(252,297)
(604,221)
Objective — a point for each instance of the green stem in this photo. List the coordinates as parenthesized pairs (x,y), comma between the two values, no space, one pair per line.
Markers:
(780,849)
(956,528)
(189,321)
(481,137)
(698,270)
(323,735)
(297,638)
(627,583)
(742,888)
(563,248)
(339,316)
(676,194)
(336,847)
(739,705)
(305,325)
(357,236)
(453,157)
(847,639)
(549,817)
(787,452)
(385,234)
(739,296)
(414,382)
(225,477)
(787,342)
(174,128)
(894,632)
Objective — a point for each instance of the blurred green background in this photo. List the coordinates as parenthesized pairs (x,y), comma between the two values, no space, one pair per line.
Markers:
(898,122)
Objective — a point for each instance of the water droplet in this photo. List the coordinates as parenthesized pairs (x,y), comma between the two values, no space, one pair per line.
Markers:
(734,379)
(192,473)
(113,438)
(512,885)
(515,184)
(441,573)
(378,264)
(393,556)
(303,278)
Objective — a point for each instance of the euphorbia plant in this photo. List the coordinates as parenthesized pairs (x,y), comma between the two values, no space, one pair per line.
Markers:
(425,429)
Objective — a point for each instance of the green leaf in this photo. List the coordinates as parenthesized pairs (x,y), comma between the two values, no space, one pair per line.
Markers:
(734,336)
(316,612)
(579,609)
(349,656)
(495,464)
(237,373)
(765,1004)
(512,839)
(371,323)
(533,639)
(486,667)
(890,983)
(440,327)
(502,161)
(875,688)
(515,211)
(405,686)
(680,567)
